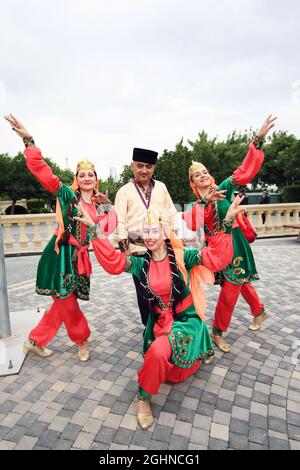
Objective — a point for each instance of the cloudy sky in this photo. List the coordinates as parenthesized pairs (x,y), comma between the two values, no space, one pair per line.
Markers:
(94,78)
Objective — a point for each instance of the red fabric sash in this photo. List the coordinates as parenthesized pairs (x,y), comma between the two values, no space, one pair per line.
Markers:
(84,266)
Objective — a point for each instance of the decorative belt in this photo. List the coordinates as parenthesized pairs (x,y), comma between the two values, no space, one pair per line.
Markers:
(186,303)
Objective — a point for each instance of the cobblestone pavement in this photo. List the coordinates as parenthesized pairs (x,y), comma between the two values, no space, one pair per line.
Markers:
(248,399)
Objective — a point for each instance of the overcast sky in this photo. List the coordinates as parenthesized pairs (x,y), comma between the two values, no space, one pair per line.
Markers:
(95,78)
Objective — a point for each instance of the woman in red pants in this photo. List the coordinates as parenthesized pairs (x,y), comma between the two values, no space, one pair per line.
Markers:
(176,338)
(237,276)
(64,268)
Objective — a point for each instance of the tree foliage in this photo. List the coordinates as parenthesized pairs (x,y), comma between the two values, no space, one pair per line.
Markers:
(281,166)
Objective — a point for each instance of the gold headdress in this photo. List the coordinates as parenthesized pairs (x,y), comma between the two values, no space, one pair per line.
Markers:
(152,217)
(85,165)
(196,166)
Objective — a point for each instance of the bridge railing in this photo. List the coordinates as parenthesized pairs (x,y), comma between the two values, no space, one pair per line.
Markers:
(30,233)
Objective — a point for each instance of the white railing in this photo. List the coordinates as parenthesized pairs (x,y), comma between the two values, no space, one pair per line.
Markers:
(30,233)
(27,233)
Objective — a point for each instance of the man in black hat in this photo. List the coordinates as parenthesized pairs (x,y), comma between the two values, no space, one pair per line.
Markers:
(132,202)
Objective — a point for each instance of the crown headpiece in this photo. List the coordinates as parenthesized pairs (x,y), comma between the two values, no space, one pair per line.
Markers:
(152,217)
(85,165)
(196,166)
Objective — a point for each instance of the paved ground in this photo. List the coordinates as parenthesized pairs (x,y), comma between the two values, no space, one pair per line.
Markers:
(248,399)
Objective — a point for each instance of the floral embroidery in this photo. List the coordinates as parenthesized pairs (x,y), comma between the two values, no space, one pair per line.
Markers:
(179,359)
(237,261)
(183,342)
(239,271)
(67,279)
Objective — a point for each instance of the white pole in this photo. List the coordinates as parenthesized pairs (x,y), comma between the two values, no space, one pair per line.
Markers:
(5,328)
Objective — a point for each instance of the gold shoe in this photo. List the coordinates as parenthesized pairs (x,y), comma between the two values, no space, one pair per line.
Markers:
(38,350)
(220,342)
(145,418)
(257,321)
(208,360)
(83,353)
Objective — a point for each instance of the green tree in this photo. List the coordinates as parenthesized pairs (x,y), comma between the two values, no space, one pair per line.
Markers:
(16,181)
(282,162)
(111,186)
(172,169)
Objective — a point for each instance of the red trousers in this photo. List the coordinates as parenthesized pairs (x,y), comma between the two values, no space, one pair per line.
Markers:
(227,300)
(158,368)
(65,311)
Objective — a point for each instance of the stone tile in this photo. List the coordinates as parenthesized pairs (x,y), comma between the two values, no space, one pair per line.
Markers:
(240,413)
(238,442)
(83,441)
(26,443)
(58,424)
(11,420)
(182,428)
(202,422)
(220,417)
(259,409)
(105,435)
(162,433)
(167,419)
(217,444)
(219,431)
(258,436)
(113,421)
(6,445)
(178,443)
(101,413)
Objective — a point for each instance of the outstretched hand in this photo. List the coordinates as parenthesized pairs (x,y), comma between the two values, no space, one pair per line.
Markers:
(83,216)
(17,126)
(235,208)
(267,125)
(216,195)
(100,198)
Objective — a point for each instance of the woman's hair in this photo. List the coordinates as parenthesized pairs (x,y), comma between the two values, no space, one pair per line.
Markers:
(177,282)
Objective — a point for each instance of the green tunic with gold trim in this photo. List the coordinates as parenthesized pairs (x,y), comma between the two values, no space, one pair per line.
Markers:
(242,269)
(57,275)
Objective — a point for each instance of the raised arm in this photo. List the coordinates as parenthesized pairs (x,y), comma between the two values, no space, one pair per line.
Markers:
(34,160)
(254,159)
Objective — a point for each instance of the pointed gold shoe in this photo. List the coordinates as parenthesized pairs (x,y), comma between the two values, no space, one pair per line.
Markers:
(145,418)
(208,360)
(257,321)
(38,350)
(220,342)
(83,353)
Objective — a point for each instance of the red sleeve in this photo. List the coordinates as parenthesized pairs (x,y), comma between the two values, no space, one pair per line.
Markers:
(113,261)
(250,166)
(39,168)
(108,222)
(219,252)
(194,217)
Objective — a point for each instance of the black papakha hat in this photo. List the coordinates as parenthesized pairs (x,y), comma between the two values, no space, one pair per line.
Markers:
(145,156)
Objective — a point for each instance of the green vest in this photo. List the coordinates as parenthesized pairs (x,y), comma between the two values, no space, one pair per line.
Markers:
(57,274)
